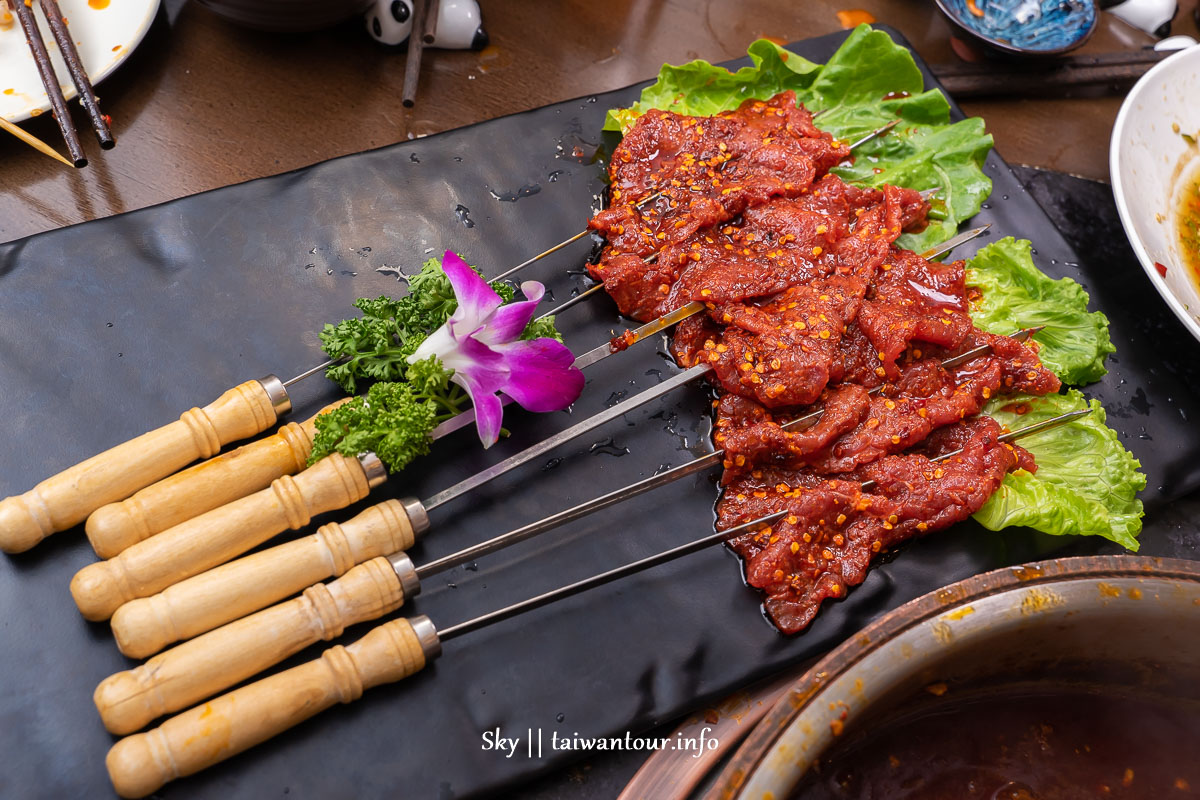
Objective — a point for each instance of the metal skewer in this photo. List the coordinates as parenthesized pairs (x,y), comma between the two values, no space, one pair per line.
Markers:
(65,500)
(572,589)
(210,663)
(566,591)
(320,367)
(582,234)
(650,259)
(946,247)
(395,650)
(693,308)
(198,604)
(117,526)
(648,199)
(140,764)
(665,321)
(880,131)
(332,483)
(663,478)
(310,372)
(1011,436)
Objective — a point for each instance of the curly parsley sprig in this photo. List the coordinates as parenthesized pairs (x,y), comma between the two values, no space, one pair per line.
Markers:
(394,419)
(378,343)
(405,402)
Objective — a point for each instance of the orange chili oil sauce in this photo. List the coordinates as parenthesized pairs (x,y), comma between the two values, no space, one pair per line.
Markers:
(1187,224)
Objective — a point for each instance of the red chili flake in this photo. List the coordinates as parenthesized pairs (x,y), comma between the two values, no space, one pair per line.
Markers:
(1162,270)
(622,341)
(107,119)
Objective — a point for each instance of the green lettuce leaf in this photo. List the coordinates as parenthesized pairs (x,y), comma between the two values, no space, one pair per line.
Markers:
(701,89)
(1086,483)
(1015,294)
(868,82)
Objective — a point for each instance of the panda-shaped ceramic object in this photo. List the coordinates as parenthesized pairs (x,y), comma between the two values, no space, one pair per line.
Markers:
(459,24)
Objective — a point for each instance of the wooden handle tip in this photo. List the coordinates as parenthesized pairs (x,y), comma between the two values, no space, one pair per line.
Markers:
(111,529)
(96,591)
(19,528)
(133,768)
(138,629)
(123,703)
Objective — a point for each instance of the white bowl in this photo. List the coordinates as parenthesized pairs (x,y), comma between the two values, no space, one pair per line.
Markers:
(105,34)
(1149,160)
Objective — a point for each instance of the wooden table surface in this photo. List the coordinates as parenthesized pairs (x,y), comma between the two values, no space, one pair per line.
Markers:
(203,104)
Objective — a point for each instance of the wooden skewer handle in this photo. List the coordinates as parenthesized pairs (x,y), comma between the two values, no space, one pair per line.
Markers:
(231,591)
(207,734)
(224,533)
(209,664)
(206,486)
(66,499)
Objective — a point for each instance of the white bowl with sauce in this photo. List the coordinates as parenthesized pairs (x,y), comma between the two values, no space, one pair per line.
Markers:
(1152,163)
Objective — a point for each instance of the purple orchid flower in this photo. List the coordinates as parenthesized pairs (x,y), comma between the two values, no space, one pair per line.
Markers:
(481,343)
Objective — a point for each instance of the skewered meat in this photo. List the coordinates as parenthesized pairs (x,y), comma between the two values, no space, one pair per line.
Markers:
(856,429)
(809,300)
(834,230)
(834,529)
(783,351)
(709,169)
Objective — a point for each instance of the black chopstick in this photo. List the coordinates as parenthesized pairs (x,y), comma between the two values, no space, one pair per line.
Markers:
(416,42)
(431,21)
(87,97)
(58,104)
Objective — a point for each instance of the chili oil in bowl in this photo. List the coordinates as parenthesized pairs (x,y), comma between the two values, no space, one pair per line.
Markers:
(1070,678)
(1154,161)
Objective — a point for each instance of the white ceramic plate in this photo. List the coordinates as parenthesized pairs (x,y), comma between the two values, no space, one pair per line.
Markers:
(1149,160)
(104,37)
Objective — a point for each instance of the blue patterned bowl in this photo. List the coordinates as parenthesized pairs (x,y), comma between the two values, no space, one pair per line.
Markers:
(1024,27)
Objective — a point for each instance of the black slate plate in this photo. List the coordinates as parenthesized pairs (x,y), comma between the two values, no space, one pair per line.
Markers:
(115,326)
